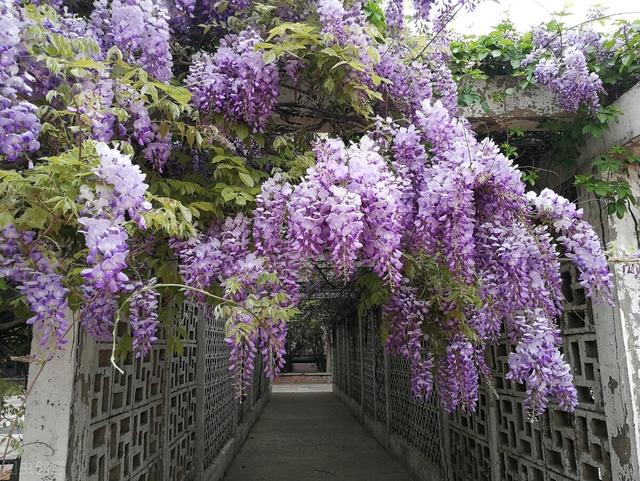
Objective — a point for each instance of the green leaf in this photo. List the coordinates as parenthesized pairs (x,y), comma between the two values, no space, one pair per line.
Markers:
(204,206)
(6,218)
(86,63)
(269,57)
(242,131)
(34,218)
(246,179)
(179,94)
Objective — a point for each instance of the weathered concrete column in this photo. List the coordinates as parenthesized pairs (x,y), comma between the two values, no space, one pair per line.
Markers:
(618,326)
(618,339)
(48,412)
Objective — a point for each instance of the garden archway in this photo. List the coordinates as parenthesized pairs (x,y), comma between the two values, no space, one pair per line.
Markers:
(174,175)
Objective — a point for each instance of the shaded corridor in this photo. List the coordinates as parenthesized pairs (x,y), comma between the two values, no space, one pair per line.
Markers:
(312,437)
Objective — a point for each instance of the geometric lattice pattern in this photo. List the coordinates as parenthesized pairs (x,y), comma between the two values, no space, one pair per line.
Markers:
(355,363)
(498,441)
(362,371)
(417,423)
(125,411)
(219,400)
(560,446)
(369,346)
(143,425)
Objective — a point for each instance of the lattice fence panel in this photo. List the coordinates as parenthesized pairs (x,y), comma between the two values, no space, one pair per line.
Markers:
(381,394)
(499,441)
(417,423)
(353,336)
(181,401)
(369,344)
(469,456)
(219,401)
(384,382)
(469,443)
(344,357)
(123,428)
(143,425)
(559,446)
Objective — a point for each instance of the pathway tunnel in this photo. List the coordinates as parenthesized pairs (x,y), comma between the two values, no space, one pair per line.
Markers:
(174,416)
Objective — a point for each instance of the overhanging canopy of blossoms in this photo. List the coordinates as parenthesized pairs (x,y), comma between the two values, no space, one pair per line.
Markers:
(149,147)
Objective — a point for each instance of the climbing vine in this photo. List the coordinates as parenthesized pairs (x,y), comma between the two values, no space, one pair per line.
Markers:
(585,70)
(224,151)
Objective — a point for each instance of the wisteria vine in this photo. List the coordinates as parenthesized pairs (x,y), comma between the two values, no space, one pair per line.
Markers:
(173,146)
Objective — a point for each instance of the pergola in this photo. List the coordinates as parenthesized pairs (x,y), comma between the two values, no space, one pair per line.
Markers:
(175,418)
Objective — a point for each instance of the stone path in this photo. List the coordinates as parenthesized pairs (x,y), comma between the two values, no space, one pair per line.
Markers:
(312,436)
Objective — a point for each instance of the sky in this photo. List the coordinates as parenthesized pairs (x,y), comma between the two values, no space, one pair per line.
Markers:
(528,13)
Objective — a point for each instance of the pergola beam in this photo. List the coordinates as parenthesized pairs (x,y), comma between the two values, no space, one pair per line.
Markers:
(523,109)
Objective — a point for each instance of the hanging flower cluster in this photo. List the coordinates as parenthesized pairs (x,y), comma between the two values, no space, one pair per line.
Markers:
(581,243)
(538,363)
(561,66)
(19,124)
(349,204)
(140,29)
(23,262)
(407,339)
(235,81)
(143,317)
(222,257)
(120,193)
(473,217)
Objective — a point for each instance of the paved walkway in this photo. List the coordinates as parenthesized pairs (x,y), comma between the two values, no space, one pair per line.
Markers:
(312,437)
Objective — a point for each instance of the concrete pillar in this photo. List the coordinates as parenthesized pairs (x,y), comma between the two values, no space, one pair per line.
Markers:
(618,326)
(48,412)
(618,338)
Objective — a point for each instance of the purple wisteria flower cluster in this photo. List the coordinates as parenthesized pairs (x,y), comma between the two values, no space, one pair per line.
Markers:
(467,208)
(581,243)
(143,317)
(539,364)
(409,85)
(447,195)
(119,193)
(19,124)
(222,257)
(561,66)
(457,375)
(235,81)
(270,234)
(349,207)
(407,340)
(23,261)
(140,29)
(94,99)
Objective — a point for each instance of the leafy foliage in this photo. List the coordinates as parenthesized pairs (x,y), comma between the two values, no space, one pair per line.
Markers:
(612,56)
(226,154)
